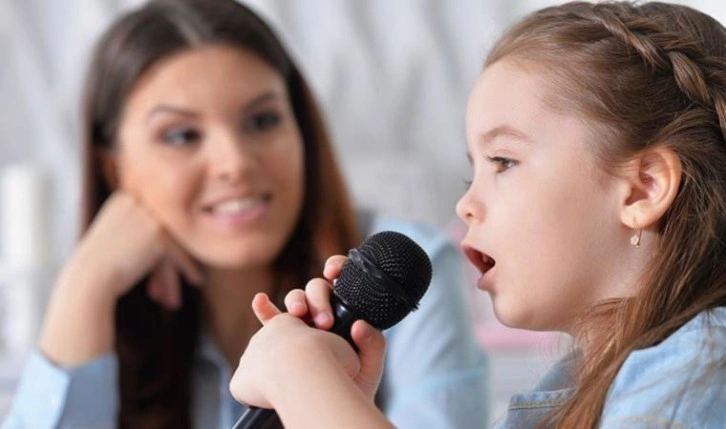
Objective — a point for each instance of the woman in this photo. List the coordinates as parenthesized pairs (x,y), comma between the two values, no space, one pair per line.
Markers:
(209,177)
(597,135)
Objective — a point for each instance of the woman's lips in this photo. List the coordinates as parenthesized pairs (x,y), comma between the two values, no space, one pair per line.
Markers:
(239,211)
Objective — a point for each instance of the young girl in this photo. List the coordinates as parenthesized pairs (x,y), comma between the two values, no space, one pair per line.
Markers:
(209,177)
(597,208)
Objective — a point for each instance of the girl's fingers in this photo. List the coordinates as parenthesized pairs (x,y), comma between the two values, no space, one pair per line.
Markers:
(333,266)
(185,264)
(264,309)
(372,349)
(317,292)
(296,303)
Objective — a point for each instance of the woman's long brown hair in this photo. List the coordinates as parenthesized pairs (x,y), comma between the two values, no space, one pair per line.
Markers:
(651,75)
(156,348)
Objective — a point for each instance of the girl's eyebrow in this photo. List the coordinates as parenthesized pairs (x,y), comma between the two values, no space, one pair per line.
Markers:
(505,131)
(501,131)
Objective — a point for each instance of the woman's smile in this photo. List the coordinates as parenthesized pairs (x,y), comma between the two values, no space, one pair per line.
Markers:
(239,212)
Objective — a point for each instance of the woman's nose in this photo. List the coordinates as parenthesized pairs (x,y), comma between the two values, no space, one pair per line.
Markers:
(231,159)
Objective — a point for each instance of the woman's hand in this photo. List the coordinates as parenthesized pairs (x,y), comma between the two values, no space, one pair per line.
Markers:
(123,244)
(288,351)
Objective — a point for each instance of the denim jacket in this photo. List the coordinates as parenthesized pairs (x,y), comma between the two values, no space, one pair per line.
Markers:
(677,384)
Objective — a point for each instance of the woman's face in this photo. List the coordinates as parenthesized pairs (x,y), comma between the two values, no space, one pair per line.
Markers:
(543,221)
(209,144)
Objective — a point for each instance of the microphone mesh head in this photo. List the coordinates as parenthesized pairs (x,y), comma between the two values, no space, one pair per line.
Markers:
(404,261)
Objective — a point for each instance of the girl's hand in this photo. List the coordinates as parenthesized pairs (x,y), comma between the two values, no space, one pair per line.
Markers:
(288,349)
(313,307)
(313,303)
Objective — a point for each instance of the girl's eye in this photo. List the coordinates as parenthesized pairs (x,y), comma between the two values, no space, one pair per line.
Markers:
(181,136)
(501,164)
(467,184)
(262,121)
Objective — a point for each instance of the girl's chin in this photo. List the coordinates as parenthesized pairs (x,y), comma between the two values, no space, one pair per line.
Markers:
(521,319)
(511,316)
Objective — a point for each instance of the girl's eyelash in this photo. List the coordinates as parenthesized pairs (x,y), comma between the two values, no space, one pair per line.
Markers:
(502,164)
(467,183)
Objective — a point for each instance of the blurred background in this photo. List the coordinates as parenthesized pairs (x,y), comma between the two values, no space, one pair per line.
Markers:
(392,77)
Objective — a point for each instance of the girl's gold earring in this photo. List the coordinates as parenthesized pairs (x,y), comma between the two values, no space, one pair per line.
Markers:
(635,239)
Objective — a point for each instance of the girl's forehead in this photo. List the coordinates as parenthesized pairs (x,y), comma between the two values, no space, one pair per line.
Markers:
(504,95)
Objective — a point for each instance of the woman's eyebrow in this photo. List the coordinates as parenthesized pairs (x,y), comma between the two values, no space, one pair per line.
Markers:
(164,108)
(260,99)
(168,109)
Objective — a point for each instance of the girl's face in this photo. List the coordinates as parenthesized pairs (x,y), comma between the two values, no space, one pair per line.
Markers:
(208,143)
(543,224)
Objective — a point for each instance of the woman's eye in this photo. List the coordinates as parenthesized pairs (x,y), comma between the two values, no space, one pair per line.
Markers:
(467,183)
(262,121)
(181,136)
(501,164)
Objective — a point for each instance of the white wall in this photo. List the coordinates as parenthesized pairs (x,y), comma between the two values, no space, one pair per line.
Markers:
(393,77)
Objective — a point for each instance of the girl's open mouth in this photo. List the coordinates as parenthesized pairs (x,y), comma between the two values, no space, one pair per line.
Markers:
(480,260)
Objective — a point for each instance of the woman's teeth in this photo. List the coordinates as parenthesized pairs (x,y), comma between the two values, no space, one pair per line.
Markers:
(236,206)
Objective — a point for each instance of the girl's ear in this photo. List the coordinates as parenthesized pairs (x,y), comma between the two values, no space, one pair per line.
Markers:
(109,167)
(651,180)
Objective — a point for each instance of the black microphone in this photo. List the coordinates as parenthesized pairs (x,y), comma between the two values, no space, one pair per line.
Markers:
(381,282)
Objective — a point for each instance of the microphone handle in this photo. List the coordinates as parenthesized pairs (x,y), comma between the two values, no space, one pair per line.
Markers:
(258,418)
(263,418)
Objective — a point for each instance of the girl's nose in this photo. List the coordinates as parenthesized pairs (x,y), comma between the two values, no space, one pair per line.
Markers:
(470,208)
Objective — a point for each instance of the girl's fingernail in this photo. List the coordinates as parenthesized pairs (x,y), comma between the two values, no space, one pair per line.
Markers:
(367,334)
(323,318)
(298,307)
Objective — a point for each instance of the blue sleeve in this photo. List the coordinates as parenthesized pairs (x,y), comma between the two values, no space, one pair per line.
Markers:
(83,396)
(436,373)
(677,384)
